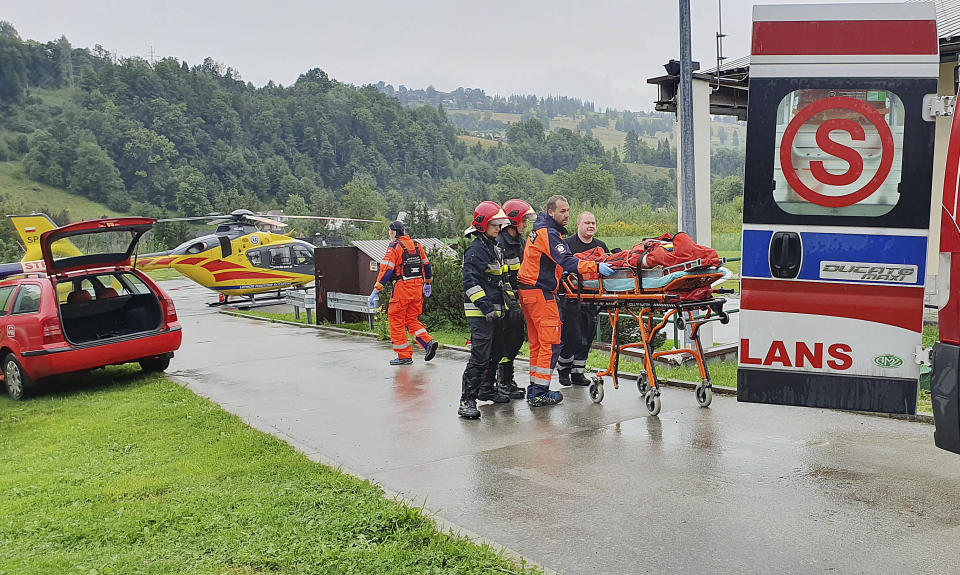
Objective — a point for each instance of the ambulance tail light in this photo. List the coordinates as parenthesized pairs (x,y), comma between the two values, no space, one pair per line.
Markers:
(52,332)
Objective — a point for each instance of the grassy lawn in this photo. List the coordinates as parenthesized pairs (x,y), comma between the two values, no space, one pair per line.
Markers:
(15,184)
(125,473)
(164,274)
(474,140)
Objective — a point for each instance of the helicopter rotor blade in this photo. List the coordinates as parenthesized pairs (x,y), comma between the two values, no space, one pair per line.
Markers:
(191,218)
(264,220)
(329,218)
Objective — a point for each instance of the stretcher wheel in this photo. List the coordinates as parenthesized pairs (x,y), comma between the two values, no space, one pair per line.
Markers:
(652,399)
(596,390)
(704,395)
(642,384)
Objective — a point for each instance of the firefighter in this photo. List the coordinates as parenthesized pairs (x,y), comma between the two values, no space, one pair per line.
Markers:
(579,320)
(483,304)
(512,332)
(407,265)
(545,257)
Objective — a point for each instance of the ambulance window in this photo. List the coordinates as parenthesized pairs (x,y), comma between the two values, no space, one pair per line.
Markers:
(838,152)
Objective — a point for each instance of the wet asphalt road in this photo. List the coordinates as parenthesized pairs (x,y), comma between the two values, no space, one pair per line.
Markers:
(584,488)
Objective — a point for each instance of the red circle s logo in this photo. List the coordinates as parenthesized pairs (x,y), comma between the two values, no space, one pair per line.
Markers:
(850,155)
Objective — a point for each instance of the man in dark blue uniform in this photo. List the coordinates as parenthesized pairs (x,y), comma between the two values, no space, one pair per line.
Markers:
(579,321)
(483,304)
(513,325)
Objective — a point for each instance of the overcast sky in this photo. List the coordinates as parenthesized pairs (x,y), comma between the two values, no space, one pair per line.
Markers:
(597,50)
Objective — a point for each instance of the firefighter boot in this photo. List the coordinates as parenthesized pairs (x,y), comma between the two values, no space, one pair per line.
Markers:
(564,377)
(579,379)
(540,395)
(506,382)
(468,398)
(488,391)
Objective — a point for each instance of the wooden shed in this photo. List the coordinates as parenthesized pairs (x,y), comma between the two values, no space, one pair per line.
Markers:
(353,269)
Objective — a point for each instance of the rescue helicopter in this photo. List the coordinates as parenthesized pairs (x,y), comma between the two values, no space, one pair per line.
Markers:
(238,259)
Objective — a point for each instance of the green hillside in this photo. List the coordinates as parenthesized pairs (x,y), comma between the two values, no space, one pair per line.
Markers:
(25,195)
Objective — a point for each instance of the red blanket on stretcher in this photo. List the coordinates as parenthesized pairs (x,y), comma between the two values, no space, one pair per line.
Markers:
(664,251)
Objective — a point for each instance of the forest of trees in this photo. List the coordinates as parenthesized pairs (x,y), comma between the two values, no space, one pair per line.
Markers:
(168,137)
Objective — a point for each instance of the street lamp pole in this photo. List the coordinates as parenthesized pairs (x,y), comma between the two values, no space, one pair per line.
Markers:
(688,204)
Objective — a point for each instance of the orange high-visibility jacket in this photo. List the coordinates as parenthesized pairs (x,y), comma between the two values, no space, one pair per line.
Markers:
(546,256)
(405,261)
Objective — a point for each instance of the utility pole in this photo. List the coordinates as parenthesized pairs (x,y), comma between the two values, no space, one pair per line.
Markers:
(688,204)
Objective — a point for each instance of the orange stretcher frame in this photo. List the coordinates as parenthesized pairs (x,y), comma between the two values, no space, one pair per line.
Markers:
(642,304)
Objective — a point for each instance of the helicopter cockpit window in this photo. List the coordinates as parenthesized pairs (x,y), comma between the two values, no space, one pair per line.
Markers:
(280,257)
(302,256)
(254,257)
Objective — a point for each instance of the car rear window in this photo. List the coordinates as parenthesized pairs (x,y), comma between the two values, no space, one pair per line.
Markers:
(102,286)
(28,299)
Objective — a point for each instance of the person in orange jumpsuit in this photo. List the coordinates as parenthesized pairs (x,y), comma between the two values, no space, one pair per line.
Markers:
(406,264)
(545,257)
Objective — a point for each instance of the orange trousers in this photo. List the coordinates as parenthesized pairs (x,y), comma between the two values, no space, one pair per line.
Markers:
(543,333)
(403,314)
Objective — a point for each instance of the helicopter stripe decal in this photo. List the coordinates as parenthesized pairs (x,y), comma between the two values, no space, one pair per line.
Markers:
(217,265)
(190,261)
(227,276)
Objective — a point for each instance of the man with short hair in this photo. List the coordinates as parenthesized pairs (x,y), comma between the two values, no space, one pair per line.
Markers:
(579,321)
(406,264)
(545,257)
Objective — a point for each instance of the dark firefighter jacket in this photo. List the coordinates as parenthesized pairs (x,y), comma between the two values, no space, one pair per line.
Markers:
(483,271)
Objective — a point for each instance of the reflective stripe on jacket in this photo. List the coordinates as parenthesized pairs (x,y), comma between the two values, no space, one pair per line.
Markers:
(483,273)
(546,256)
(391,266)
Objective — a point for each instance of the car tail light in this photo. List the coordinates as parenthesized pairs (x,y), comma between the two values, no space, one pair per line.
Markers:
(171,311)
(52,333)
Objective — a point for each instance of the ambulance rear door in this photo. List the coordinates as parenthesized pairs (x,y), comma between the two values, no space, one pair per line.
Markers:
(836,205)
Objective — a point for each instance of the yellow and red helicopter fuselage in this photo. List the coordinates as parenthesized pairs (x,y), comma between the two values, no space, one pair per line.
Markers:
(239,260)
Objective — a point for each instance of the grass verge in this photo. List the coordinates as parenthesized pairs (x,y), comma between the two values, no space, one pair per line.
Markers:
(124,473)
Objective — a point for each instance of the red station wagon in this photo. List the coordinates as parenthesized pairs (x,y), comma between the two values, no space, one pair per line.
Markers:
(90,309)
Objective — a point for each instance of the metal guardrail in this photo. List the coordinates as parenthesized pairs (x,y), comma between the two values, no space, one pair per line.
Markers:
(358,303)
(301,299)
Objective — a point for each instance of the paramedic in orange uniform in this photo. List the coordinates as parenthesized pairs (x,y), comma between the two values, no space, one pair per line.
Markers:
(545,257)
(406,264)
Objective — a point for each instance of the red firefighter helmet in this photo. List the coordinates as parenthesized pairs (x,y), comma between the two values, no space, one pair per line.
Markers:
(517,211)
(485,214)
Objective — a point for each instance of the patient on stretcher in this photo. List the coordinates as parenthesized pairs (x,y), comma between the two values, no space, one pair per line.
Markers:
(657,260)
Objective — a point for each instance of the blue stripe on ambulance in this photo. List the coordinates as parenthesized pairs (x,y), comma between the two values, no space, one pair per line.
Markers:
(819,247)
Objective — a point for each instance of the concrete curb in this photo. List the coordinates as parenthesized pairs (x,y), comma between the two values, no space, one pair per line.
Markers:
(718,389)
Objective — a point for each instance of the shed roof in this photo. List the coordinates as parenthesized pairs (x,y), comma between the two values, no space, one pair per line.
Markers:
(377,249)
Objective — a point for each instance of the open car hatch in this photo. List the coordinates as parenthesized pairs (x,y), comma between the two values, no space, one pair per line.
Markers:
(101,243)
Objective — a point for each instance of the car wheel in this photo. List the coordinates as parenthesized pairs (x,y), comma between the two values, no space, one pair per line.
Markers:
(154,364)
(15,378)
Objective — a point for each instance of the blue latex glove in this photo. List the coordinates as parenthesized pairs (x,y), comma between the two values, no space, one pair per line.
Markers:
(374,301)
(605,270)
(427,290)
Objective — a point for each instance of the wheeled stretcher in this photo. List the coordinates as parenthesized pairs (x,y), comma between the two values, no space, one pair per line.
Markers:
(654,297)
